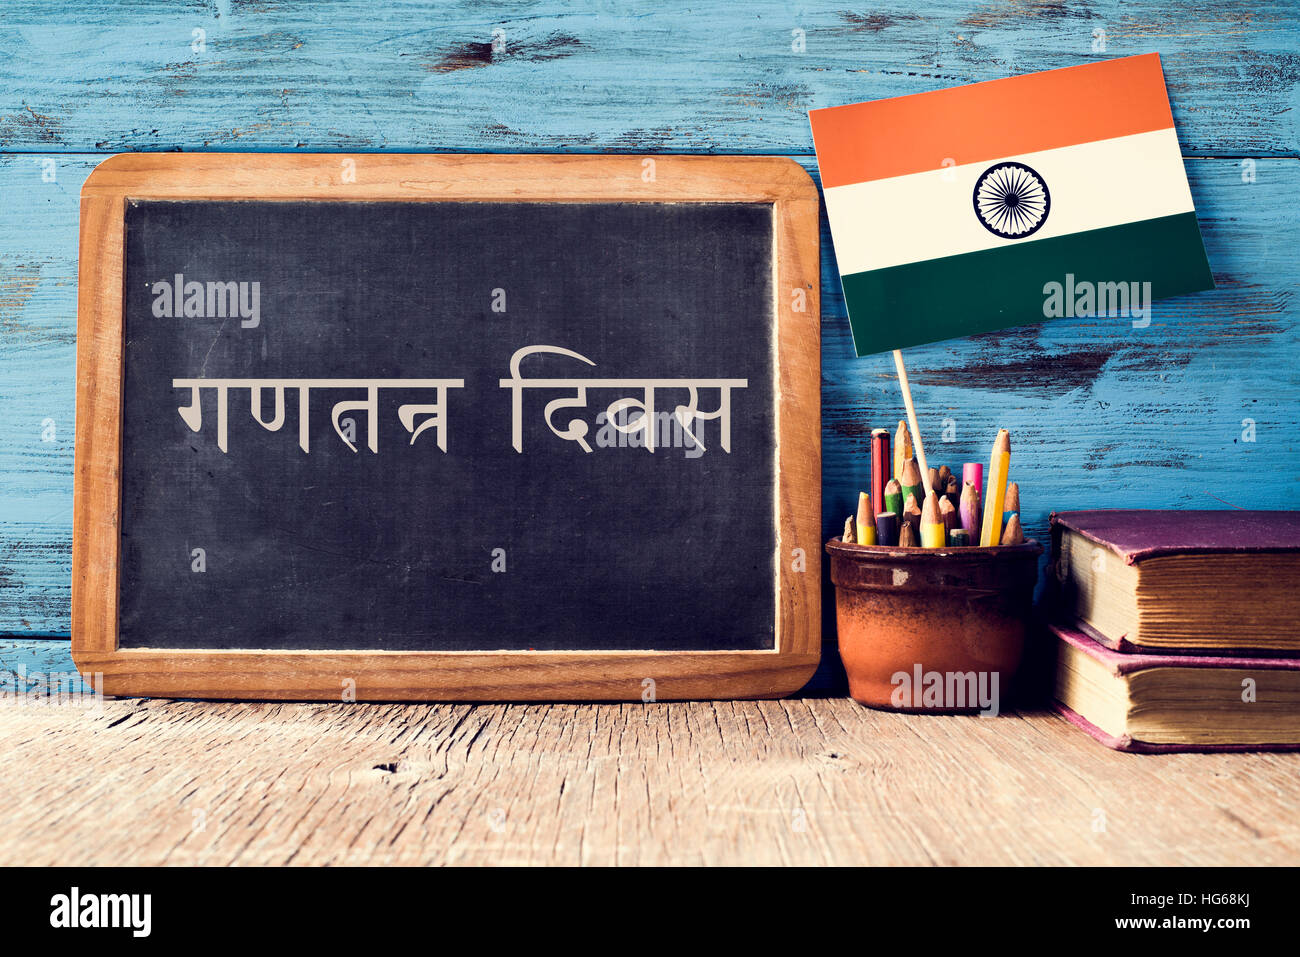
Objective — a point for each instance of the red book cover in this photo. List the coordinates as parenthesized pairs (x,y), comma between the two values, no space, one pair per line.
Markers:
(1120,664)
(1139,534)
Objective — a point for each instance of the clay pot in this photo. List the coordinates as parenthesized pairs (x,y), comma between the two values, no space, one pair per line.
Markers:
(959,613)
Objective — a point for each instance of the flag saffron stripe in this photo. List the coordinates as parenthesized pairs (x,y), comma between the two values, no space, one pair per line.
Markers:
(930,215)
(984,121)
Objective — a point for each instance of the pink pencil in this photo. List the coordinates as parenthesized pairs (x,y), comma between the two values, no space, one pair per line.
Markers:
(973,472)
(970,510)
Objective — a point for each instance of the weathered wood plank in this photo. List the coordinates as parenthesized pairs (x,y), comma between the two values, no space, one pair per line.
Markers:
(805,781)
(38,312)
(1102,413)
(663,77)
(28,663)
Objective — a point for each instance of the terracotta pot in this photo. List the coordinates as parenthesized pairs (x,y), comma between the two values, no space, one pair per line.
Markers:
(956,613)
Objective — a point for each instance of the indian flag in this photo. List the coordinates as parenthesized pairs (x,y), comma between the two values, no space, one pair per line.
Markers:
(968,209)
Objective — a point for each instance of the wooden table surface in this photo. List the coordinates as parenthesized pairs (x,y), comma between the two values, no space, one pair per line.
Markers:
(797,781)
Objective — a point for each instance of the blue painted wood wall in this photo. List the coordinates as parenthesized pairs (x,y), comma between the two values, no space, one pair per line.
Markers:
(1200,408)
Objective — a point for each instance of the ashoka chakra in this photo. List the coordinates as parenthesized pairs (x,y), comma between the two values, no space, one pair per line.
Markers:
(1011,200)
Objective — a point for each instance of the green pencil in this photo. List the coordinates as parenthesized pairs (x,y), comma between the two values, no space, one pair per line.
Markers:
(894,497)
(911,483)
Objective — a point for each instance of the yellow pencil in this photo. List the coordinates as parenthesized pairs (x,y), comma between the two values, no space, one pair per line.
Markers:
(995,492)
(933,534)
(866,520)
(902,449)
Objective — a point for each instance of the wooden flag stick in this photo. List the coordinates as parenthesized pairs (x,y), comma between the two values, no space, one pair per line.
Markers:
(911,420)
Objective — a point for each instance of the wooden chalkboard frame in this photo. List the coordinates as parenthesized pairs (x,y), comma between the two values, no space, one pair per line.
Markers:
(462,675)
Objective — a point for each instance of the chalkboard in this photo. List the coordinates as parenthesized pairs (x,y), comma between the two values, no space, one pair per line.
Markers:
(342,547)
(429,426)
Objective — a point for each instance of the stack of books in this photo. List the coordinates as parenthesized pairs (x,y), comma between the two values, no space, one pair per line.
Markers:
(1177,630)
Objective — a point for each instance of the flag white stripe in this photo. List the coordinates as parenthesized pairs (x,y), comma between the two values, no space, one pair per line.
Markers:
(931,215)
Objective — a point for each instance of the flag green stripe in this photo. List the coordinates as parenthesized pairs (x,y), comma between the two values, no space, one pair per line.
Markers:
(997,288)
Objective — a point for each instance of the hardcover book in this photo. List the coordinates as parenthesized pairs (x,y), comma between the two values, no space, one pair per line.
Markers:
(1153,704)
(1179,581)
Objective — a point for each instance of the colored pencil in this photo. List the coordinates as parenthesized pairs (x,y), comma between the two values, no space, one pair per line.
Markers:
(907,536)
(933,534)
(973,472)
(886,528)
(902,448)
(953,493)
(969,511)
(945,474)
(933,474)
(879,467)
(949,515)
(894,497)
(995,492)
(911,516)
(866,530)
(1013,534)
(1012,504)
(911,483)
(848,530)
(959,538)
